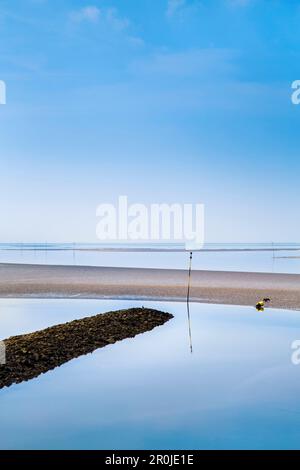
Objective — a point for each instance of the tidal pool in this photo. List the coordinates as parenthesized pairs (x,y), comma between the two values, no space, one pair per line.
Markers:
(239,388)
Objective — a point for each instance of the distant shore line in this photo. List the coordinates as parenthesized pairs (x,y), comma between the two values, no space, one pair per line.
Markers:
(141,249)
(89,282)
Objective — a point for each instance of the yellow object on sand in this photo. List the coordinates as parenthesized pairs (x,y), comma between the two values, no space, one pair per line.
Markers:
(260,306)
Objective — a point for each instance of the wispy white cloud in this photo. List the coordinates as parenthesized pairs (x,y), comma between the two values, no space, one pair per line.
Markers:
(110,19)
(38,2)
(239,3)
(89,13)
(109,16)
(174,6)
(198,63)
(135,41)
(183,9)
(116,21)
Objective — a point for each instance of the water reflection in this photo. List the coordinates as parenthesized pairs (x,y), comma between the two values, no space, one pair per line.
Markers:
(239,388)
(28,356)
(240,260)
(188,303)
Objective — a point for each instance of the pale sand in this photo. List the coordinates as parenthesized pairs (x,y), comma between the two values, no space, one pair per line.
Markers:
(235,288)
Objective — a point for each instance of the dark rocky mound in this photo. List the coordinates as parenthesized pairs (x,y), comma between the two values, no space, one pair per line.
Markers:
(30,355)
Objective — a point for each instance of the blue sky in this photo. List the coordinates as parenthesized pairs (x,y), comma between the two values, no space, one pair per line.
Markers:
(163,101)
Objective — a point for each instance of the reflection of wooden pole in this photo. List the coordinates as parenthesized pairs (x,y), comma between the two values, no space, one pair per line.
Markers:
(188,302)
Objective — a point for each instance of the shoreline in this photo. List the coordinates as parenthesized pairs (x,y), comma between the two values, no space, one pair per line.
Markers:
(89,282)
(141,249)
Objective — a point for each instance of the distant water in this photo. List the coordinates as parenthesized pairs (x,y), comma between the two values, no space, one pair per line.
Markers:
(239,389)
(148,246)
(272,257)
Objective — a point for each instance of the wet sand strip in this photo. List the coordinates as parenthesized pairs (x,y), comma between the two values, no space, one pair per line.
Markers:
(87,282)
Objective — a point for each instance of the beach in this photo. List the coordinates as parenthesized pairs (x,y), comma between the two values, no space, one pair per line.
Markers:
(86,282)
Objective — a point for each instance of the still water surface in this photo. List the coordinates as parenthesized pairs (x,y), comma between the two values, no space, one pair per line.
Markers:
(284,259)
(238,389)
